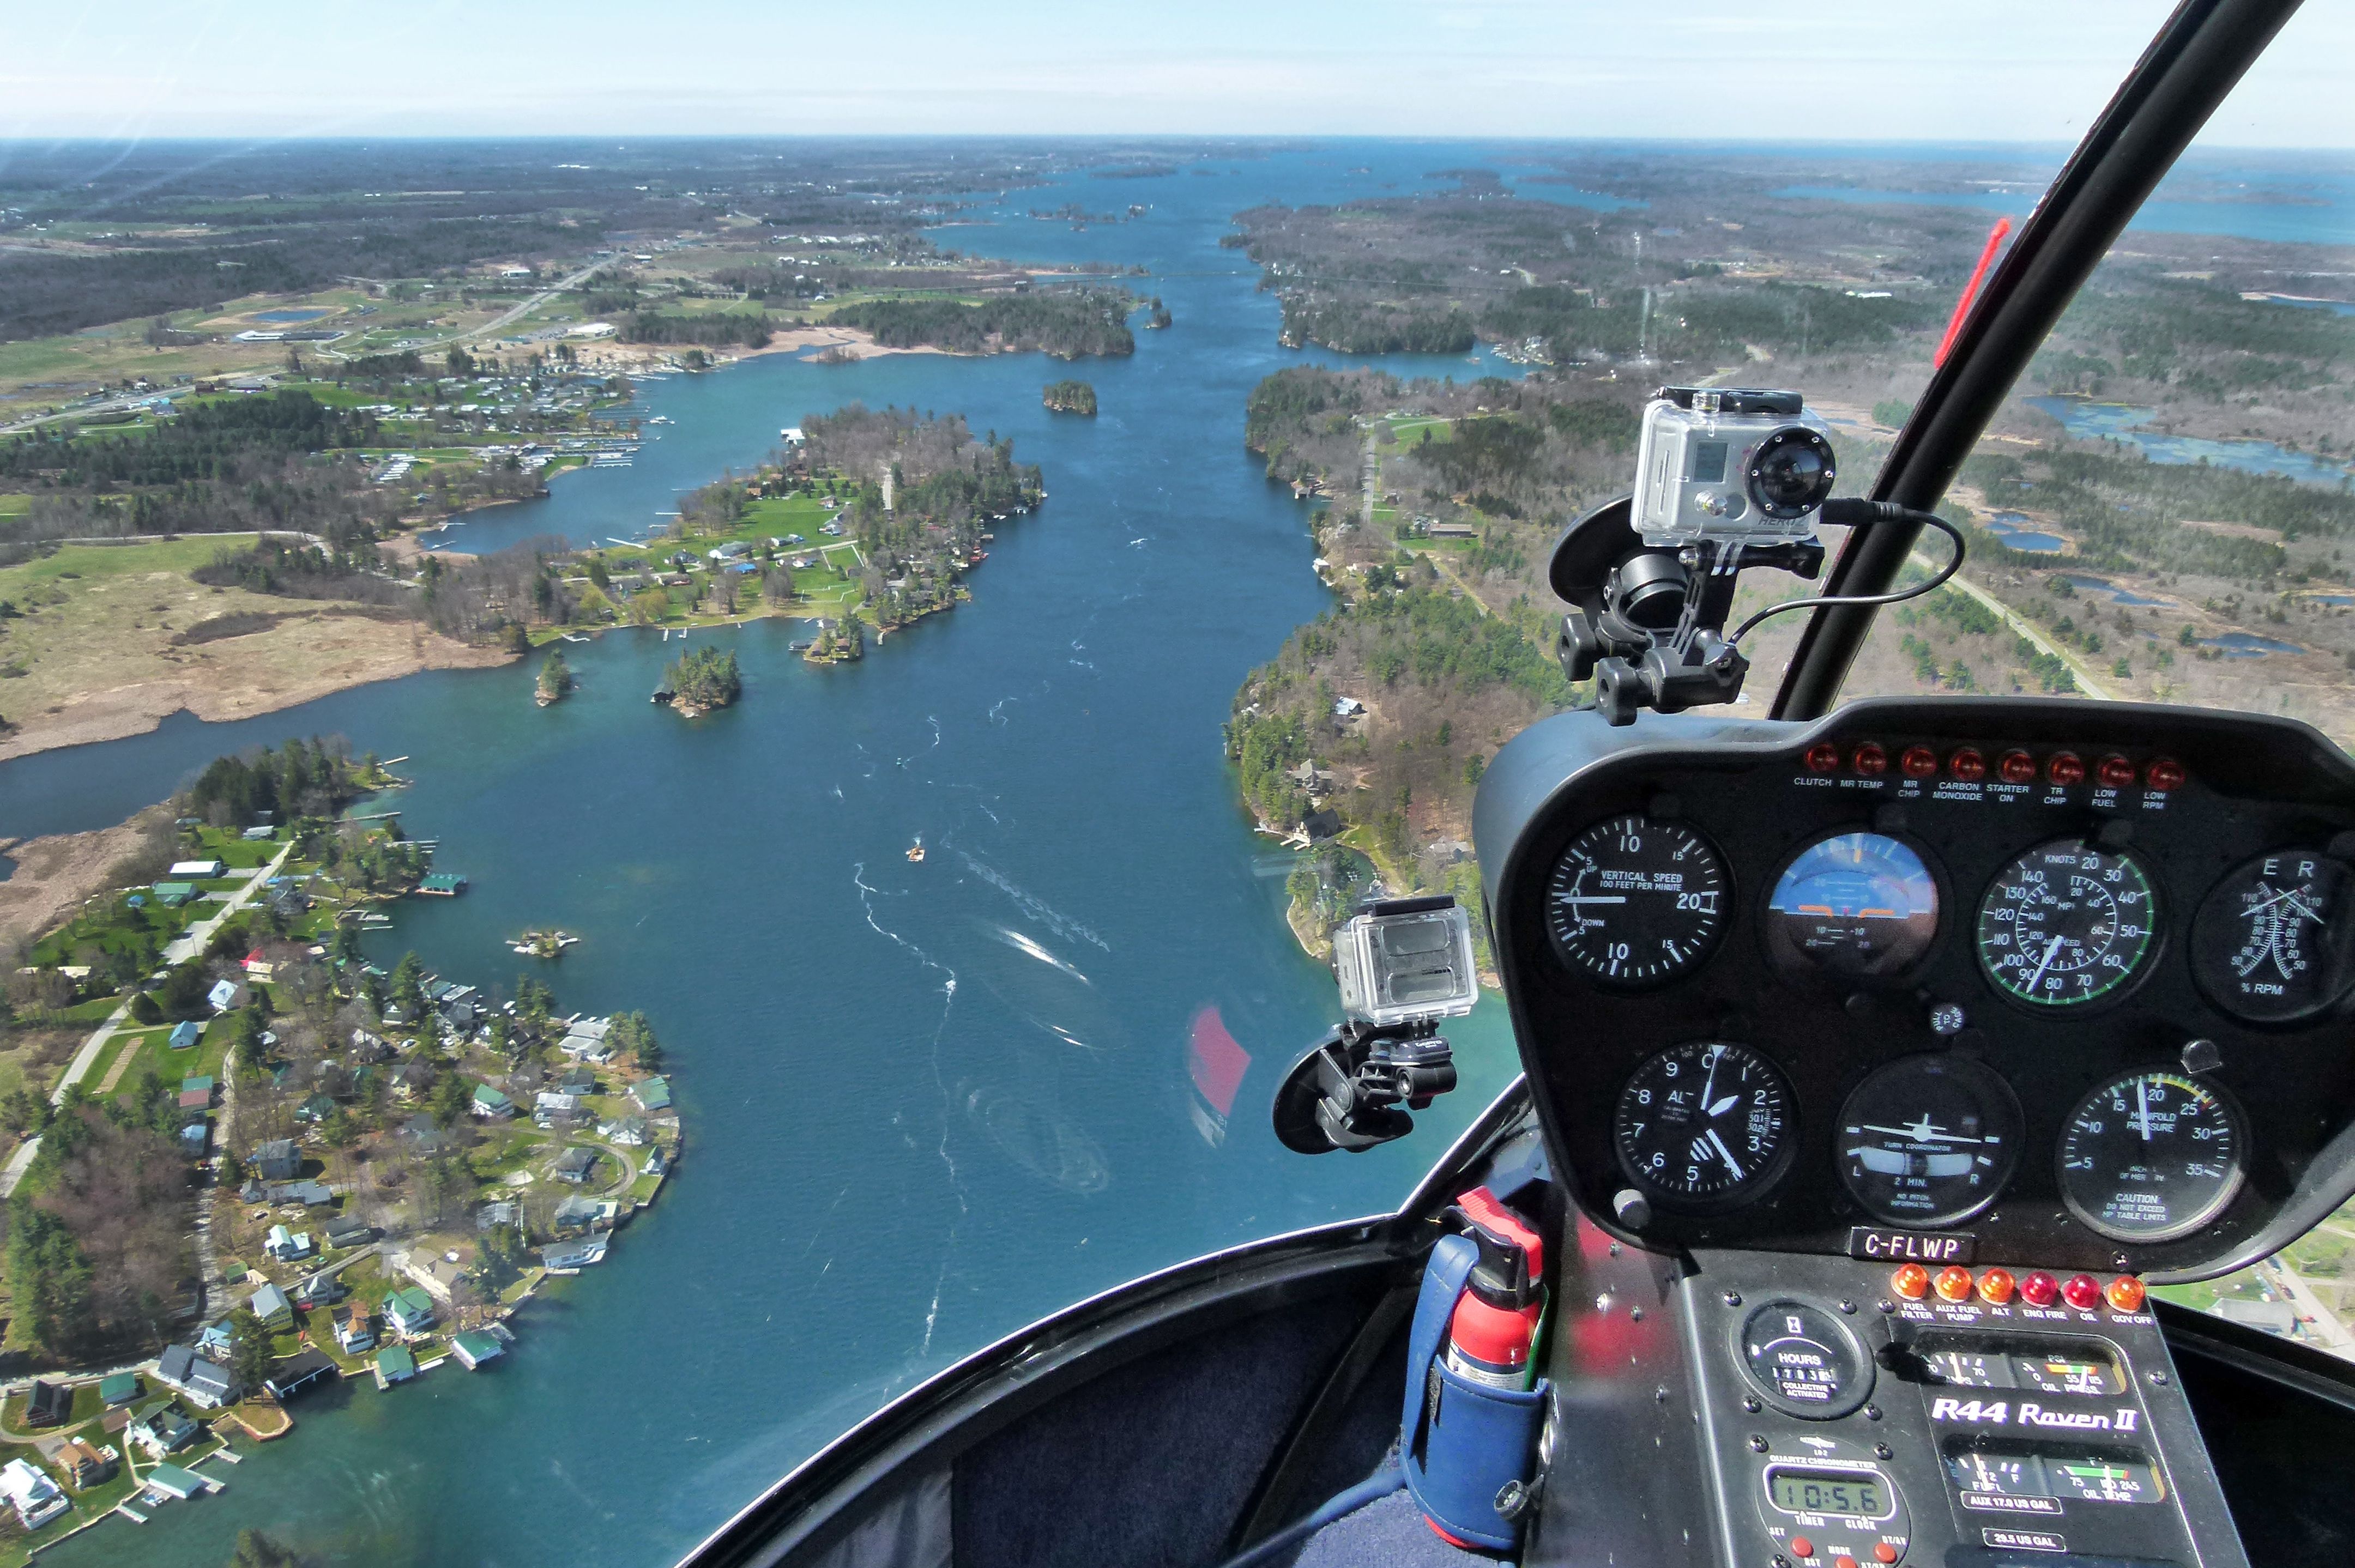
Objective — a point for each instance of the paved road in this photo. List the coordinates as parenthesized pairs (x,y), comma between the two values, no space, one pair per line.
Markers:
(2329,1332)
(186,945)
(2027,628)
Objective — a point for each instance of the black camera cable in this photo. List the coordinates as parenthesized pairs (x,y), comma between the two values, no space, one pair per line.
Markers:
(1853,512)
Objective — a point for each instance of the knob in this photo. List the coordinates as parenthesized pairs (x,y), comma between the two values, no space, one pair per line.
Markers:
(1634,1209)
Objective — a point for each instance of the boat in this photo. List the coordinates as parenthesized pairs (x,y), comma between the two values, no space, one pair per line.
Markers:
(1803,1239)
(916,851)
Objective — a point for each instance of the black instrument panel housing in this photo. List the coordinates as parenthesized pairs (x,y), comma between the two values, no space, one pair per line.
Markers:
(2252,784)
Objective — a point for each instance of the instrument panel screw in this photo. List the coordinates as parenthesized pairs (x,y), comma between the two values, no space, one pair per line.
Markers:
(1848,1308)
(1733,1299)
(1750,1404)
(1781,1560)
(1661,1395)
(1757,1444)
(1873,1413)
(1886,1305)
(1883,1451)
(2158,1380)
(1635,1314)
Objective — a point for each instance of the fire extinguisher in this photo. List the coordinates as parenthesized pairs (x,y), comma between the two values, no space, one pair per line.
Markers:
(1492,1334)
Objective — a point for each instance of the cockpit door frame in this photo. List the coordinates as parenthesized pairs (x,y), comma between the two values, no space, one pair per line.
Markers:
(2191,67)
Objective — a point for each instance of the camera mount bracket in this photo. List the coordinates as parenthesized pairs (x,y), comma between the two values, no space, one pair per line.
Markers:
(1648,622)
(1353,1090)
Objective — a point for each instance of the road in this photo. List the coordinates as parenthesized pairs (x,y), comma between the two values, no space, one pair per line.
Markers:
(186,945)
(2027,629)
(2329,1332)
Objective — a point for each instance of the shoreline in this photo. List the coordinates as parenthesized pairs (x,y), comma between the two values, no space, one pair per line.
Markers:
(126,711)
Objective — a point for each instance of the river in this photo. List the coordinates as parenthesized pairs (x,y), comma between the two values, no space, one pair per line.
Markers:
(925,1103)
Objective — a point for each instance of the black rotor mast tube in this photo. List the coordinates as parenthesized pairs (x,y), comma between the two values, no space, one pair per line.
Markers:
(2195,61)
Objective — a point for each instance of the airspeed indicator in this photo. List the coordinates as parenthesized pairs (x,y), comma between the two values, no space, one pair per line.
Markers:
(1634,902)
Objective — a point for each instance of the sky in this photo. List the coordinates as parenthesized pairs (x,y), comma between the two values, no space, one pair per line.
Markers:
(2027,71)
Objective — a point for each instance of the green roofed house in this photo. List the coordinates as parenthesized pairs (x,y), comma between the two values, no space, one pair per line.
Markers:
(474,1346)
(175,1481)
(395,1364)
(491,1104)
(118,1389)
(410,1311)
(172,895)
(654,1094)
(443,885)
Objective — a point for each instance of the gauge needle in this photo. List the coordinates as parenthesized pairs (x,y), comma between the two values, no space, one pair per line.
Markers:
(2142,1106)
(1590,898)
(1723,1106)
(1724,1153)
(2051,949)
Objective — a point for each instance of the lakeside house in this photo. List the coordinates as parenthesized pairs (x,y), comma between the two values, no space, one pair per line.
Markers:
(630,1132)
(438,1274)
(580,1212)
(474,1346)
(270,1304)
(443,884)
(652,1094)
(580,1253)
(86,1465)
(547,1107)
(49,1404)
(172,895)
(162,1428)
(395,1364)
(575,1165)
(28,1488)
(197,870)
(408,1311)
(356,1328)
(207,1383)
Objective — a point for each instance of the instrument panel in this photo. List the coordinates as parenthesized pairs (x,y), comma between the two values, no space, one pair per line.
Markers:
(2003,980)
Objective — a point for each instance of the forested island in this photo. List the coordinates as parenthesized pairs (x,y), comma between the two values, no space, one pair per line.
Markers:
(1065,323)
(314,1151)
(700,680)
(1070,397)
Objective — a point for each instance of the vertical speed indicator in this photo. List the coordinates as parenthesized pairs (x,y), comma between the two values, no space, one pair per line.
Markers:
(1636,902)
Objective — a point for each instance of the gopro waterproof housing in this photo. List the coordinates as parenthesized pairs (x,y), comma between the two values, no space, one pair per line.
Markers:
(1406,960)
(1730,465)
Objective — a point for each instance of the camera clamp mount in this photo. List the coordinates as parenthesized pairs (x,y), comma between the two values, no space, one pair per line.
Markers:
(1346,1093)
(1648,622)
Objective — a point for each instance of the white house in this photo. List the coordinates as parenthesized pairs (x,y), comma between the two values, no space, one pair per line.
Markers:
(36,1498)
(196,869)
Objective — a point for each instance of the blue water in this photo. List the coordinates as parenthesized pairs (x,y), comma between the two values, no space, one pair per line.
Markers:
(2013,529)
(2090,421)
(2336,307)
(907,1133)
(2249,645)
(883,1172)
(2103,585)
(289,317)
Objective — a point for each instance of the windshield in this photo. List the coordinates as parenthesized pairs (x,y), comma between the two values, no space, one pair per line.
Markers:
(667,757)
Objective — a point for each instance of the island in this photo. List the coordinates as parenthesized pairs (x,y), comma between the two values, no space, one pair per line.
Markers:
(356,1173)
(1070,397)
(702,681)
(555,680)
(868,519)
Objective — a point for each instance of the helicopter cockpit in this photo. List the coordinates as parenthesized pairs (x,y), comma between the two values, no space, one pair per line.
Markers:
(1879,1060)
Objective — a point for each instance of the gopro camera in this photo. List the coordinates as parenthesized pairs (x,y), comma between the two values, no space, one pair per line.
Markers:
(1730,465)
(1406,960)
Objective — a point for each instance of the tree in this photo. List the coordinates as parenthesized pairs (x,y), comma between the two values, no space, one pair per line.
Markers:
(249,1354)
(408,985)
(145,1011)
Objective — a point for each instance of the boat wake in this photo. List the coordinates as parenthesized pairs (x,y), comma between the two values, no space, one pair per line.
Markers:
(1046,915)
(867,895)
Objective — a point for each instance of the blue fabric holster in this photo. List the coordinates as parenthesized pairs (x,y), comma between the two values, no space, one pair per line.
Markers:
(1468,1450)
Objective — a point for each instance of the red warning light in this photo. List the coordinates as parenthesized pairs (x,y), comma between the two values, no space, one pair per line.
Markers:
(1870,759)
(2017,767)
(1919,762)
(2164,773)
(2065,768)
(1822,758)
(2115,773)
(1967,763)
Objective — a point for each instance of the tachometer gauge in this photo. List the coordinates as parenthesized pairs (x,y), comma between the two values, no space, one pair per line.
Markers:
(2151,1156)
(2273,942)
(1854,905)
(2066,924)
(1636,902)
(1705,1124)
(1928,1140)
